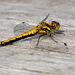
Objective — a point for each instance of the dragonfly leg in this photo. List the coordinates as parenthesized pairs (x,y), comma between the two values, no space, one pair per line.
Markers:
(39,39)
(59,32)
(51,36)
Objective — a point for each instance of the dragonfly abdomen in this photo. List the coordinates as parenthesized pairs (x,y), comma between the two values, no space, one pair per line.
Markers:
(19,37)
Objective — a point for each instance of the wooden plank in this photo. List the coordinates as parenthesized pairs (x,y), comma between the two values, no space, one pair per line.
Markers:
(48,58)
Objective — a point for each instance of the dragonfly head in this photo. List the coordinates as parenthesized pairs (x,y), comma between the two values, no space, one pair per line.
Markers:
(55,25)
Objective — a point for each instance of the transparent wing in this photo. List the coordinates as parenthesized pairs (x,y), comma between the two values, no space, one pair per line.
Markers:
(46,43)
(22,28)
(44,19)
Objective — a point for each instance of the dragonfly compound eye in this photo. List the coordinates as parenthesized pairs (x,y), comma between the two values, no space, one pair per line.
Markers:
(55,24)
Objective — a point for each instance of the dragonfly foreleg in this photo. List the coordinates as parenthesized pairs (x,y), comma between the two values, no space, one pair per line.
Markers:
(51,36)
(59,32)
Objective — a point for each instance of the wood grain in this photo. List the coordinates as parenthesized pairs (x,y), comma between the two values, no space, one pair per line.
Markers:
(49,58)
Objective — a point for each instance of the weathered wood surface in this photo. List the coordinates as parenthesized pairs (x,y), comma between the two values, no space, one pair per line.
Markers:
(49,58)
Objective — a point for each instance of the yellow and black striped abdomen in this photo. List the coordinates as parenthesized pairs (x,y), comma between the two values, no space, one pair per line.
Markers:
(19,37)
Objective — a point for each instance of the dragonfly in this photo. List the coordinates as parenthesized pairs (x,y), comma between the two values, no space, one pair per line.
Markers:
(42,28)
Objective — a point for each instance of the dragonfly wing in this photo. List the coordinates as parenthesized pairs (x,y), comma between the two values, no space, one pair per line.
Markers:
(22,28)
(44,19)
(47,43)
